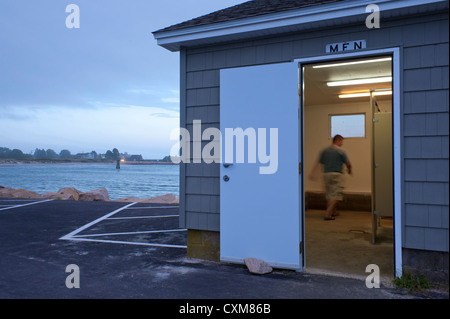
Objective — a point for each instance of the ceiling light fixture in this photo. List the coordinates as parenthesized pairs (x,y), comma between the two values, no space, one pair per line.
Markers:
(364,94)
(361,81)
(351,63)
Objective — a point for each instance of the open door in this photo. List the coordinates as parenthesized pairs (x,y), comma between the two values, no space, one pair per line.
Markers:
(260,195)
(382,173)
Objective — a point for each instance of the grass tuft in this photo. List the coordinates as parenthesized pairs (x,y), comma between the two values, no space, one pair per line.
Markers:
(412,283)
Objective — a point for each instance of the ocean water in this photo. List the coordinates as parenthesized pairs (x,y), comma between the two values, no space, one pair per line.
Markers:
(140,181)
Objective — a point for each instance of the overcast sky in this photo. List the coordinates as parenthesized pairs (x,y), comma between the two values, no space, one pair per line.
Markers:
(106,84)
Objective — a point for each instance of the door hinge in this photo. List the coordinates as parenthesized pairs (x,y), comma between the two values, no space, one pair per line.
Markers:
(299,167)
(300,247)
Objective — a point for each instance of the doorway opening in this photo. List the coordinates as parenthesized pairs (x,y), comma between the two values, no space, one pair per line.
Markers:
(352,98)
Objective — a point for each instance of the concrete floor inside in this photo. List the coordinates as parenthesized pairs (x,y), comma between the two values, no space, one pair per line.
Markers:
(344,246)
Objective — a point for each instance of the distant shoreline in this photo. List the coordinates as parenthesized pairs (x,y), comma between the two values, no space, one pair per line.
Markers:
(12,162)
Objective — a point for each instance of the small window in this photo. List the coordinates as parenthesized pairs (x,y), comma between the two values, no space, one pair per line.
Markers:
(352,125)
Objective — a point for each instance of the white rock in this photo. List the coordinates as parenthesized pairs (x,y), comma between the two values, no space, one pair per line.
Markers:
(257,266)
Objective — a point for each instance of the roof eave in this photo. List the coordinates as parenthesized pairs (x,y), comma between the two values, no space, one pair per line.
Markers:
(326,15)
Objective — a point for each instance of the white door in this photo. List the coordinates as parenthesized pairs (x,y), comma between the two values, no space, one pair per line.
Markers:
(260,196)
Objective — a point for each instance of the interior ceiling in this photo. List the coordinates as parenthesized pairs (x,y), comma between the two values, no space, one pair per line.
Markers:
(316,91)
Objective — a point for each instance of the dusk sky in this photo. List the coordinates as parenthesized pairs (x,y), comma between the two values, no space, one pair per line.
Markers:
(106,84)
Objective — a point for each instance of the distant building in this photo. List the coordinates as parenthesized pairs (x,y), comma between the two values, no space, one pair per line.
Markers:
(134,158)
(91,155)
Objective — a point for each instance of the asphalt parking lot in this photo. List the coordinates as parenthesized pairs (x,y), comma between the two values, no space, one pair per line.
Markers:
(107,250)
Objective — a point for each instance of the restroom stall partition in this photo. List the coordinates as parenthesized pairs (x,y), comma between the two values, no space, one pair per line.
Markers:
(382,172)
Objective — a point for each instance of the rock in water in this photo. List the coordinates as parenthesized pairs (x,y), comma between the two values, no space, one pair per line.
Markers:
(257,266)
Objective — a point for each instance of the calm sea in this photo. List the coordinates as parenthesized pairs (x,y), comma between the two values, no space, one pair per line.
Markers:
(140,181)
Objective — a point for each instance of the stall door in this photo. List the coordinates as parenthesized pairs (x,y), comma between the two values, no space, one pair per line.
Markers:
(382,173)
(260,189)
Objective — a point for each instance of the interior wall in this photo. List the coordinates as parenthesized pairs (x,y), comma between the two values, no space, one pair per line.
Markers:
(317,137)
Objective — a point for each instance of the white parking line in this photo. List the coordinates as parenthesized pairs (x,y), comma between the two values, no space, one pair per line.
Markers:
(134,217)
(18,200)
(132,232)
(37,202)
(153,207)
(127,242)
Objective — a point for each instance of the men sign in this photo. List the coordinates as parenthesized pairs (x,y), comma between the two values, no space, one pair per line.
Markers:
(345,46)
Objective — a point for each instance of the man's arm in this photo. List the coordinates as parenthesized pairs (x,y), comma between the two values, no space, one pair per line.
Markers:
(349,168)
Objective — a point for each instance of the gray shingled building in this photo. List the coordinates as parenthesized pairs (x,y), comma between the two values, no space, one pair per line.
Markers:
(291,73)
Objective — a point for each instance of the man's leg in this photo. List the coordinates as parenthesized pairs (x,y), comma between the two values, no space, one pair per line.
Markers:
(335,212)
(331,208)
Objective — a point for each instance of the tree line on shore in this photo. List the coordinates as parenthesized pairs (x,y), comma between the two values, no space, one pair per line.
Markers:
(49,154)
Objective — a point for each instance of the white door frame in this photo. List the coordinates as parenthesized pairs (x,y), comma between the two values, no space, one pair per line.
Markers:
(396,131)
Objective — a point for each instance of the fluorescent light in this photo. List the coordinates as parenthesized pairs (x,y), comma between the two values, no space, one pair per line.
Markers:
(350,63)
(361,81)
(364,94)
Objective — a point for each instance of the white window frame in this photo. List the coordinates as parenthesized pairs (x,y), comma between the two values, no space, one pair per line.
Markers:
(330,128)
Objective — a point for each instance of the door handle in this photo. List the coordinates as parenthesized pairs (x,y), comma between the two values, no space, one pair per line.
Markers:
(227,165)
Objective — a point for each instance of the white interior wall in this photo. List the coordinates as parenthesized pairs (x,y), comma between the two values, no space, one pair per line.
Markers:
(317,137)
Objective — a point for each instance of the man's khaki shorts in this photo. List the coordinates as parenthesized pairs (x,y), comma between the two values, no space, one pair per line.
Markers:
(333,186)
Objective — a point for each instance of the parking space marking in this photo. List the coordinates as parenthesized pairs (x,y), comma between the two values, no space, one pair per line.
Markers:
(27,204)
(75,236)
(135,217)
(18,200)
(132,232)
(127,242)
(153,207)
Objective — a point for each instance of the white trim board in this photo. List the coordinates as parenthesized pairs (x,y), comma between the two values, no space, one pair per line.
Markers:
(397,150)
